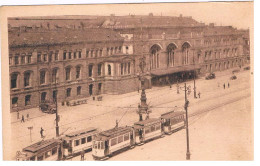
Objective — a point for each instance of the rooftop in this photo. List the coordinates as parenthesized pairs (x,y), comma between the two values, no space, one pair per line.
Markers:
(172,114)
(40,145)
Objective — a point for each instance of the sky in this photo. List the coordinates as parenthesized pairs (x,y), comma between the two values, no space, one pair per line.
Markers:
(237,14)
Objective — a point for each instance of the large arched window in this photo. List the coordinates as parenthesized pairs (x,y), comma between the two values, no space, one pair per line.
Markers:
(154,56)
(185,52)
(170,51)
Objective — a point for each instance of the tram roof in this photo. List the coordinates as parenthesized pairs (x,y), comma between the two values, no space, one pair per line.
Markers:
(41,145)
(172,114)
(113,132)
(81,132)
(147,122)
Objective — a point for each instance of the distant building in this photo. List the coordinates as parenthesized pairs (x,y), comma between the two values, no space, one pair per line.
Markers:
(78,58)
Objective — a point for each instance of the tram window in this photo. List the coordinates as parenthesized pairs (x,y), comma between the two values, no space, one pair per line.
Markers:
(126,137)
(53,151)
(113,141)
(102,145)
(147,130)
(152,128)
(158,127)
(89,139)
(47,154)
(32,158)
(98,145)
(76,142)
(83,140)
(120,139)
(40,158)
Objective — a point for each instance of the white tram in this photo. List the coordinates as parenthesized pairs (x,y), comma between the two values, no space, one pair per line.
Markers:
(147,130)
(78,141)
(110,141)
(173,121)
(47,150)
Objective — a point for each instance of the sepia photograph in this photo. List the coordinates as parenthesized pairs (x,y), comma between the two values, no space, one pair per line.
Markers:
(128,82)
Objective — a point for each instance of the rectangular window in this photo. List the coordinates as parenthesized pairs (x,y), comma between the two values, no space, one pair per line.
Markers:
(83,140)
(29,58)
(53,151)
(122,68)
(87,54)
(67,73)
(50,56)
(14,80)
(15,101)
(40,157)
(42,77)
(64,55)
(47,154)
(126,137)
(69,55)
(129,67)
(16,60)
(79,54)
(113,141)
(27,79)
(56,56)
(120,139)
(45,57)
(89,138)
(76,142)
(22,59)
(10,60)
(90,70)
(39,57)
(68,93)
(28,100)
(78,72)
(75,55)
(79,90)
(99,69)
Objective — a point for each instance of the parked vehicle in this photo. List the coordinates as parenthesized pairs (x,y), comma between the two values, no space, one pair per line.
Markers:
(233,77)
(210,76)
(48,107)
(247,68)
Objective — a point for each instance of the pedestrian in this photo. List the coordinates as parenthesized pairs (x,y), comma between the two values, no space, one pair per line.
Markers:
(199,94)
(224,86)
(41,132)
(22,120)
(82,155)
(228,84)
(28,116)
(18,115)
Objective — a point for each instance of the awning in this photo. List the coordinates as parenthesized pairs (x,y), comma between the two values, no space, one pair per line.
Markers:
(171,70)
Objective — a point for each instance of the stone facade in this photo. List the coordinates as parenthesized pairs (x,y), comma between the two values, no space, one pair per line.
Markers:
(82,62)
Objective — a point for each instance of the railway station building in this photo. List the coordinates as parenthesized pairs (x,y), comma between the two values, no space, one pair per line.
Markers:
(80,58)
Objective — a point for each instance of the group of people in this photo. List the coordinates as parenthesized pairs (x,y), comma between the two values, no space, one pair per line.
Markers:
(23,118)
(224,85)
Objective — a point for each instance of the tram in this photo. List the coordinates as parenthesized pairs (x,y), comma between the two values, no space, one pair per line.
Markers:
(48,150)
(173,121)
(113,140)
(75,142)
(147,130)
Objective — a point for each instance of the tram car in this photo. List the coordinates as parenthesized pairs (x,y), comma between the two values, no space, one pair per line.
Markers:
(147,130)
(75,142)
(173,121)
(46,150)
(108,142)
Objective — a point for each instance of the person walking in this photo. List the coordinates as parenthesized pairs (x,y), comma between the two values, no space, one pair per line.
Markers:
(41,132)
(228,84)
(199,94)
(18,115)
(28,116)
(224,86)
(22,120)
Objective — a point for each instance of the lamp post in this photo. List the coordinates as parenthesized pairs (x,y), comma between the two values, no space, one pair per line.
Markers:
(30,128)
(57,116)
